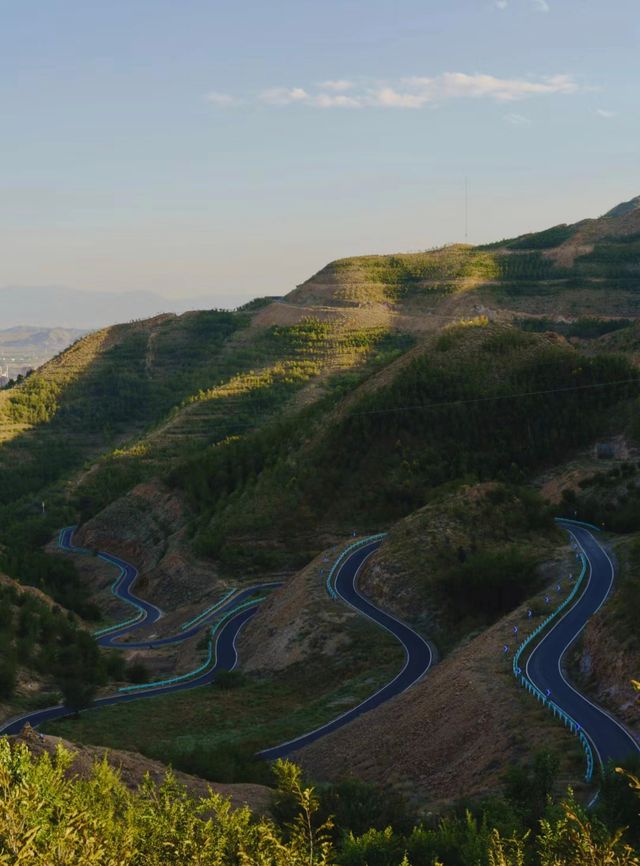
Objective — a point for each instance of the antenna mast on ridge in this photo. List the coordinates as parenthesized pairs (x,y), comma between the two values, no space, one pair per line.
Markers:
(466,209)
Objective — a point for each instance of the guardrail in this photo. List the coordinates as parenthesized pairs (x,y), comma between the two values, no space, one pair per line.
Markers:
(557,711)
(353,546)
(210,654)
(209,610)
(85,552)
(578,523)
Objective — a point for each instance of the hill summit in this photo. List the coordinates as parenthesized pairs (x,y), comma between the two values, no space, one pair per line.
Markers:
(624,208)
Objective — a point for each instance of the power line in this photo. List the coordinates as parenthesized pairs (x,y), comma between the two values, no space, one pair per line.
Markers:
(427,406)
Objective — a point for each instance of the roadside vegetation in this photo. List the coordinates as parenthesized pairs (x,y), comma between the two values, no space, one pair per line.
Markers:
(43,642)
(47,816)
(215,731)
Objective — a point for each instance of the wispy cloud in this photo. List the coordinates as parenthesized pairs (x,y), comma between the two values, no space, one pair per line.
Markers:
(284,95)
(603,112)
(300,96)
(340,85)
(335,100)
(517,119)
(221,100)
(408,93)
(454,85)
(538,5)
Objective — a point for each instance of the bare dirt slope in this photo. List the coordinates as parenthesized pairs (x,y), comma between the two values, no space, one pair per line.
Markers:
(451,735)
(147,527)
(298,620)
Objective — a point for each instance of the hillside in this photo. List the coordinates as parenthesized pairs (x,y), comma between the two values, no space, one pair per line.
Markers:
(23,348)
(378,453)
(424,395)
(560,271)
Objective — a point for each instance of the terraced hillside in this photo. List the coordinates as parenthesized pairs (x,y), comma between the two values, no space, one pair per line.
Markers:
(562,270)
(482,401)
(420,394)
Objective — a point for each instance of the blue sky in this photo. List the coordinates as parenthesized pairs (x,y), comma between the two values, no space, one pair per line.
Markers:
(231,149)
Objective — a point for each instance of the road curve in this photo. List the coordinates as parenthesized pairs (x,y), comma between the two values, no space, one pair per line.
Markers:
(610,740)
(419,655)
(149,613)
(122,589)
(226,660)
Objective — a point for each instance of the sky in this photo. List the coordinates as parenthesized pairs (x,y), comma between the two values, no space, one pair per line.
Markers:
(231,149)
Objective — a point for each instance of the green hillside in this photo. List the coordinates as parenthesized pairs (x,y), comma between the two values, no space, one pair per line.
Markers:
(482,402)
(128,402)
(593,254)
(383,390)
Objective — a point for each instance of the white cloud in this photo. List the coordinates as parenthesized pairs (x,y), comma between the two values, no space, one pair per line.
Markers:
(541,5)
(410,93)
(284,95)
(388,97)
(300,96)
(416,92)
(517,119)
(335,100)
(340,85)
(222,100)
(501,4)
(459,84)
(603,112)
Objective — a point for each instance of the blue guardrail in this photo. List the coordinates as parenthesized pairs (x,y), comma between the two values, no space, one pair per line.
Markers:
(345,553)
(524,681)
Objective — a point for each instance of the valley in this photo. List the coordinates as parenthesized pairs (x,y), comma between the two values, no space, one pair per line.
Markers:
(182,501)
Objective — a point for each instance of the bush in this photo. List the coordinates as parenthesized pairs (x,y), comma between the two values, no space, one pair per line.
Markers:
(488,584)
(227,680)
(137,673)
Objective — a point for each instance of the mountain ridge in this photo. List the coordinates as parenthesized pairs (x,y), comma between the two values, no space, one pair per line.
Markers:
(62,307)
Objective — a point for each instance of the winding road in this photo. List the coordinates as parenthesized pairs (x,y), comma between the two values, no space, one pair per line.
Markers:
(226,660)
(149,614)
(419,655)
(610,740)
(544,665)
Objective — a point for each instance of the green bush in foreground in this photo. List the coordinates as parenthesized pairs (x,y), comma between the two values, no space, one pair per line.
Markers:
(47,818)
(50,817)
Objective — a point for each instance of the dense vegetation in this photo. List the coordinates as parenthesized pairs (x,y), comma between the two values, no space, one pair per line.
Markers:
(47,817)
(585,327)
(485,403)
(49,644)
(610,498)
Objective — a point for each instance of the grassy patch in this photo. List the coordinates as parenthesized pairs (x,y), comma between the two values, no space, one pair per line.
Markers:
(257,713)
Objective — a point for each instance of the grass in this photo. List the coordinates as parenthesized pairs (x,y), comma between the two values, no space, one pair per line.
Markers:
(259,712)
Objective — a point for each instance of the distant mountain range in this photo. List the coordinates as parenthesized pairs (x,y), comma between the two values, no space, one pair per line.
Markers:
(45,341)
(56,307)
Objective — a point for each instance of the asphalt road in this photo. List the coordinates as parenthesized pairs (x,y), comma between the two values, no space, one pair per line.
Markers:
(610,740)
(418,654)
(226,660)
(544,666)
(150,614)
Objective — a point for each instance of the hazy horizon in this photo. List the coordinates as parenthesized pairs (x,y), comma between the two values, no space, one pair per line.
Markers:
(197,152)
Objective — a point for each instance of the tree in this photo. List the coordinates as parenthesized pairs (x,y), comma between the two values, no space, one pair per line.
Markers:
(77,692)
